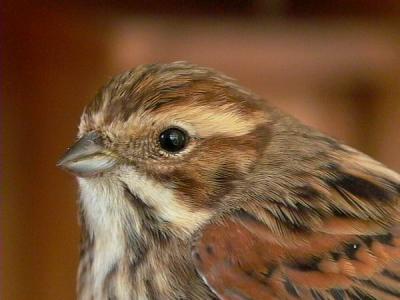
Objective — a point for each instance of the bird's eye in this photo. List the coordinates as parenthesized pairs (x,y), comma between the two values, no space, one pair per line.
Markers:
(173,139)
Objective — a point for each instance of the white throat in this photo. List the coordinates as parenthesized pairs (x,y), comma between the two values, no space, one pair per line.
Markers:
(102,206)
(106,211)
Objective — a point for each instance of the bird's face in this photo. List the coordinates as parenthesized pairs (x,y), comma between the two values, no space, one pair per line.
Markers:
(176,139)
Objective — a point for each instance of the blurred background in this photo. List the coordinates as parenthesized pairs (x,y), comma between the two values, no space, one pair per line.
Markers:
(333,64)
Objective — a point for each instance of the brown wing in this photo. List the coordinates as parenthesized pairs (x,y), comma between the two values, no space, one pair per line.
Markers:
(241,259)
(351,250)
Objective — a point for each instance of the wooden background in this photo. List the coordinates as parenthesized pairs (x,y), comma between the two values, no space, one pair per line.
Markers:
(337,67)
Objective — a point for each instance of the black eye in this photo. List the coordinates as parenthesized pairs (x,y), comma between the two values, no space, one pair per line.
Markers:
(173,139)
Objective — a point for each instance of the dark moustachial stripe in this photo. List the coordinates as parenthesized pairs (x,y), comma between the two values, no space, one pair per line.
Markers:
(135,200)
(135,242)
(138,245)
(150,222)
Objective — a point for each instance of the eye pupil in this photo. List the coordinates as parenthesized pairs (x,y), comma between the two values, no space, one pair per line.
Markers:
(172,140)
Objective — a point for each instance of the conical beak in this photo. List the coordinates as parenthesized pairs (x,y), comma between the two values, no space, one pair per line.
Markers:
(87,157)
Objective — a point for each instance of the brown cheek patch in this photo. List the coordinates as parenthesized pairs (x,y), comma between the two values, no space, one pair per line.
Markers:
(211,169)
(206,186)
(189,184)
(216,170)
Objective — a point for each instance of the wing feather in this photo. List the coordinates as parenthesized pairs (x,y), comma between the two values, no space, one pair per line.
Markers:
(337,238)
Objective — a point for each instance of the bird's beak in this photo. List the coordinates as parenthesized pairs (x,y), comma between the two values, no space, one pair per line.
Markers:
(87,157)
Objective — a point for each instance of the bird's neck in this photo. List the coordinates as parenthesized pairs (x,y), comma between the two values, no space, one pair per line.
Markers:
(118,233)
(127,219)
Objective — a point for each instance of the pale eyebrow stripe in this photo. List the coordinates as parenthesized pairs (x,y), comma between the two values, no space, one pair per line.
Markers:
(208,121)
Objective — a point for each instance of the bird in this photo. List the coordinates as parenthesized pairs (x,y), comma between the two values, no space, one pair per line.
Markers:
(194,187)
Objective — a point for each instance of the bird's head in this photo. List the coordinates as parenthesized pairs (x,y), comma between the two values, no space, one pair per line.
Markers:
(175,137)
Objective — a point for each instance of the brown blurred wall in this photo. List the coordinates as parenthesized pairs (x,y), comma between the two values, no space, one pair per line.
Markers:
(339,75)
